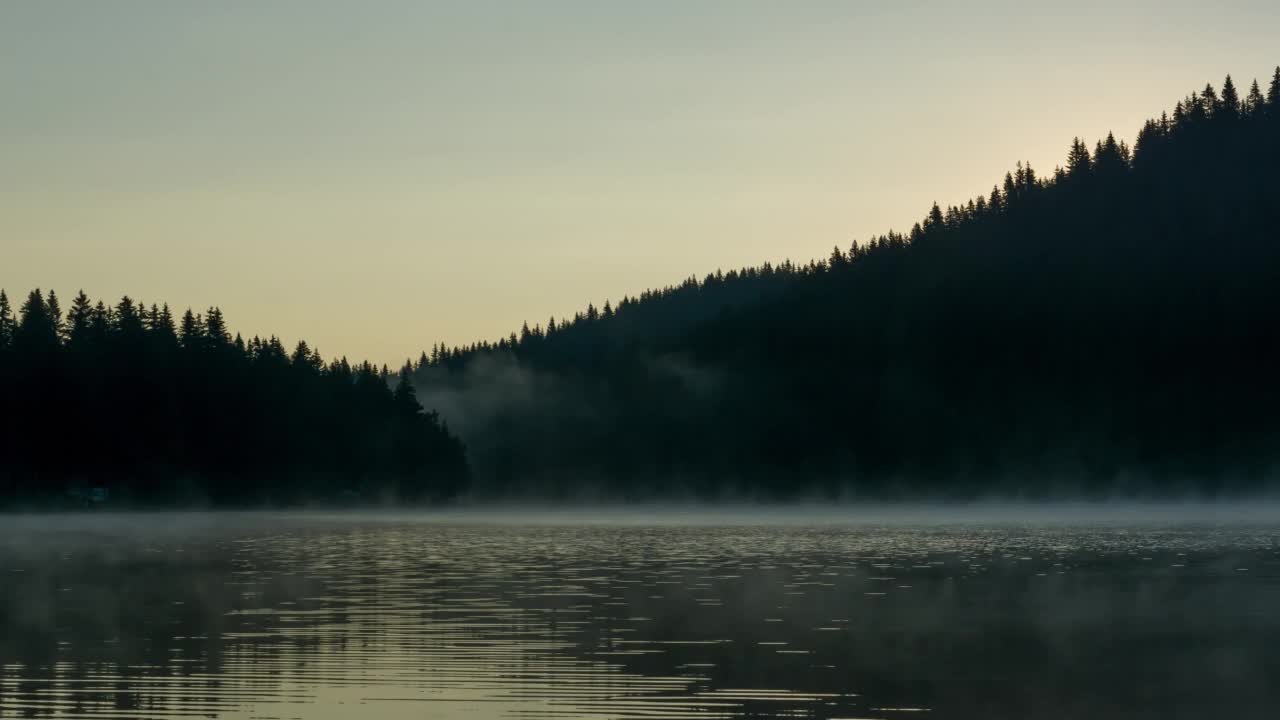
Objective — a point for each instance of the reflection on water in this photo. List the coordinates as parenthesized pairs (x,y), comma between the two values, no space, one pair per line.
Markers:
(298,616)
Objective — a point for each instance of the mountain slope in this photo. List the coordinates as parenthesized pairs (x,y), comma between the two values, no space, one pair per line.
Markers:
(1112,323)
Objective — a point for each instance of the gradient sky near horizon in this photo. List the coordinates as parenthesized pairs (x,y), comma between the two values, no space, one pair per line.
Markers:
(378,176)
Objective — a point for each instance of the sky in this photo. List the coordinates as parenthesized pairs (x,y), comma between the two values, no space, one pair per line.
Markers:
(379,176)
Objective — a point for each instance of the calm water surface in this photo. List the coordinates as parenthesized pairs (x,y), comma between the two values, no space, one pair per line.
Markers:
(371,617)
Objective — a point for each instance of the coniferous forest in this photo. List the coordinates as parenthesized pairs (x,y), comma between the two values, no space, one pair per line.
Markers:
(152,410)
(1109,326)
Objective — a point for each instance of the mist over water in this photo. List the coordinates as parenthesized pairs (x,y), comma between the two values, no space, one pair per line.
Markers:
(894,611)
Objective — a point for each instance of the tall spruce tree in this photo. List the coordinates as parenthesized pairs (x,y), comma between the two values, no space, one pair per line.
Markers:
(37,332)
(191,331)
(1079,162)
(1254,103)
(6,322)
(1228,107)
(54,308)
(79,324)
(216,333)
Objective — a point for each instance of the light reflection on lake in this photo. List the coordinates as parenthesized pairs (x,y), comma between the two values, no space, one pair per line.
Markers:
(310,616)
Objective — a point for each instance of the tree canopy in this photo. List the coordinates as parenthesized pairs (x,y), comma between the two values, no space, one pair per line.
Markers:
(155,411)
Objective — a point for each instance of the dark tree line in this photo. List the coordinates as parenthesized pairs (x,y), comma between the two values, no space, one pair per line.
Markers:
(160,410)
(1110,324)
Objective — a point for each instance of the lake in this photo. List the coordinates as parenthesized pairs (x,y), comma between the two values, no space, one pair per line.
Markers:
(655,613)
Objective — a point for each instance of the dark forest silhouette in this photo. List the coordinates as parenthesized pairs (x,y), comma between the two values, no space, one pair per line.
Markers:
(127,400)
(1113,322)
(1112,325)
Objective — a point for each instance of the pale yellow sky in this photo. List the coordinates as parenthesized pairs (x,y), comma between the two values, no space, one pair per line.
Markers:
(379,176)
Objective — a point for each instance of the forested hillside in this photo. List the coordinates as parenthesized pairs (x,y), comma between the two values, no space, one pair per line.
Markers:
(155,410)
(1109,325)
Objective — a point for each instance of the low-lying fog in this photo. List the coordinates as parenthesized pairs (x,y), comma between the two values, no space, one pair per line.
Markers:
(1254,512)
